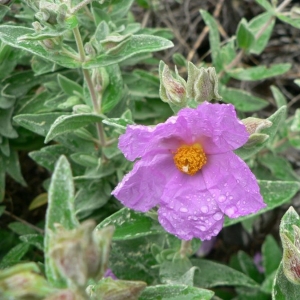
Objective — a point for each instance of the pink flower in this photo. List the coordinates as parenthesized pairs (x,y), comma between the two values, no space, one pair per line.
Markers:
(188,169)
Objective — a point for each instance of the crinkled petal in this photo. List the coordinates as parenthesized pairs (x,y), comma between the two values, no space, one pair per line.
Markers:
(232,184)
(142,187)
(188,210)
(138,140)
(216,127)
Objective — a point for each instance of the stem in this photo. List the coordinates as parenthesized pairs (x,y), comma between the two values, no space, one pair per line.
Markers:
(283,5)
(186,248)
(41,231)
(90,85)
(80,6)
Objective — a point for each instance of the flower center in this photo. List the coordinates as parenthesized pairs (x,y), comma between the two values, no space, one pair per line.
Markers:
(190,159)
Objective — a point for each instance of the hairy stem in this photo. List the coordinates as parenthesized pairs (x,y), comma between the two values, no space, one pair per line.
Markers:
(88,79)
(186,248)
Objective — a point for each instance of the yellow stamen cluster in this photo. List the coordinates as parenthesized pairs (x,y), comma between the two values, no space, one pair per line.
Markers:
(190,159)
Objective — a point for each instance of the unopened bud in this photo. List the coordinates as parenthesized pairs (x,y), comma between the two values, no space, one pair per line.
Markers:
(78,254)
(202,84)
(65,295)
(172,89)
(37,26)
(291,256)
(23,282)
(255,125)
(109,288)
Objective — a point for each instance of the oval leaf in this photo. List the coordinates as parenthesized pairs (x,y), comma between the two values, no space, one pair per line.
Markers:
(69,123)
(137,44)
(130,224)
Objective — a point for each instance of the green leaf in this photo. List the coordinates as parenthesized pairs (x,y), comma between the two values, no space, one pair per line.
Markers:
(12,35)
(13,167)
(38,201)
(2,178)
(213,274)
(6,128)
(295,126)
(119,123)
(2,209)
(243,101)
(69,86)
(248,267)
(274,193)
(278,96)
(255,26)
(133,260)
(175,292)
(130,224)
(114,90)
(267,285)
(286,19)
(38,123)
(260,72)
(14,255)
(283,289)
(265,4)
(3,11)
(36,240)
(47,156)
(91,197)
(279,167)
(20,228)
(69,123)
(272,255)
(135,45)
(214,37)
(244,35)
(60,210)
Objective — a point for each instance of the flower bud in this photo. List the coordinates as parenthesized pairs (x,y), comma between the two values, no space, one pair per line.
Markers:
(253,127)
(65,295)
(202,84)
(172,89)
(81,254)
(23,281)
(109,288)
(291,256)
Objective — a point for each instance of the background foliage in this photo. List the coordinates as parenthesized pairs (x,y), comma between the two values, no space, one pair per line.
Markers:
(70,83)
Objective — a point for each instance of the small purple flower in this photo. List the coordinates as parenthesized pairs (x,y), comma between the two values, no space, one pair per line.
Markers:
(188,169)
(109,273)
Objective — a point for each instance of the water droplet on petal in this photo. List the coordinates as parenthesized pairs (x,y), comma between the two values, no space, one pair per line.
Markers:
(216,231)
(218,216)
(230,211)
(204,209)
(237,181)
(195,218)
(183,209)
(222,198)
(202,228)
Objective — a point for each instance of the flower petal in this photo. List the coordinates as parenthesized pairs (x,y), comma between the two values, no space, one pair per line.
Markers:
(232,184)
(188,210)
(142,187)
(138,140)
(216,127)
